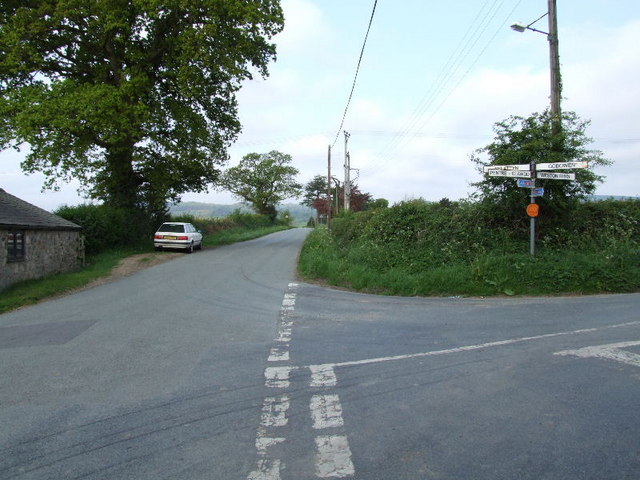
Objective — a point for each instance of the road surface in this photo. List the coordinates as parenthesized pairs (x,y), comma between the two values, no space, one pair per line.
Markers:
(221,365)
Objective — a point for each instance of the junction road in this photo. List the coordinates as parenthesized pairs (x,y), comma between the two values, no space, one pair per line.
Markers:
(220,365)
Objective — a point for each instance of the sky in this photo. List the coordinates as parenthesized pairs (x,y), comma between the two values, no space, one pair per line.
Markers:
(434,79)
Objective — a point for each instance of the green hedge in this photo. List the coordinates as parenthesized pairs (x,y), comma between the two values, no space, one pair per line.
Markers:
(105,227)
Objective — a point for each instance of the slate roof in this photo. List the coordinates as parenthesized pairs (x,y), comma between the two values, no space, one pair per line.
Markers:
(17,213)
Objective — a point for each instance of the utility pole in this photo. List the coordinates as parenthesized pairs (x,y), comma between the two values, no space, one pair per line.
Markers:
(347,173)
(554,61)
(329,203)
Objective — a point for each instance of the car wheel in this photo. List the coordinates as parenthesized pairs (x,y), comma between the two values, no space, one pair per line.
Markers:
(157,249)
(190,248)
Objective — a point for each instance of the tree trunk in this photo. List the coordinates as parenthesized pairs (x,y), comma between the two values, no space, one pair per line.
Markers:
(121,186)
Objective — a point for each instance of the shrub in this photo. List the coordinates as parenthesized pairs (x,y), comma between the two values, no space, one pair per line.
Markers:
(471,248)
(105,227)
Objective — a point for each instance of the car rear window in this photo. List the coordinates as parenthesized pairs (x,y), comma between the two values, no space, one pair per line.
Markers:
(169,227)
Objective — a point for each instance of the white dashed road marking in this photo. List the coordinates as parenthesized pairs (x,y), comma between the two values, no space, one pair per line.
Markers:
(323,376)
(333,454)
(274,411)
(274,408)
(326,411)
(333,458)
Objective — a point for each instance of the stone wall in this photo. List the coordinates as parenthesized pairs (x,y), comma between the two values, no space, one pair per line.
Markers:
(47,252)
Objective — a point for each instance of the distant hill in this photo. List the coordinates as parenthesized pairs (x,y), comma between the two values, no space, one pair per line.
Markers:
(300,213)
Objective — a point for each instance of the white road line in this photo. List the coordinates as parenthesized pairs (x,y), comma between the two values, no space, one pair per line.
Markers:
(284,334)
(279,354)
(274,411)
(323,376)
(612,351)
(267,469)
(326,411)
(263,442)
(277,377)
(333,457)
(467,348)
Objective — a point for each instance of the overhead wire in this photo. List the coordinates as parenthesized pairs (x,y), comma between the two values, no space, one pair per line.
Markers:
(355,78)
(447,71)
(447,75)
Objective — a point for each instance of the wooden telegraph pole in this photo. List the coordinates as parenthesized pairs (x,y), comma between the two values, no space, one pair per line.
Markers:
(554,62)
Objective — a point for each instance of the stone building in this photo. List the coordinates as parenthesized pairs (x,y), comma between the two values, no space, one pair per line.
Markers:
(35,243)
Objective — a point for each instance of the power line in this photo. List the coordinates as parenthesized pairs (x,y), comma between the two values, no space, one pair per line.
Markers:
(355,78)
(448,72)
(447,83)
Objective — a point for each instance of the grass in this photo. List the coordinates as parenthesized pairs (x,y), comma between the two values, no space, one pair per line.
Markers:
(489,274)
(101,265)
(240,234)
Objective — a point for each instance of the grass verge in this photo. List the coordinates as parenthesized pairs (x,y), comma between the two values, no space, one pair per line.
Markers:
(240,234)
(552,273)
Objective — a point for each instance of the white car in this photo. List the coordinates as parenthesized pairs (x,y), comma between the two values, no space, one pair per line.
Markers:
(177,235)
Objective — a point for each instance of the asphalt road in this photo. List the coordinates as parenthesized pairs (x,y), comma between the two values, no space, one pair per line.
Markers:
(220,365)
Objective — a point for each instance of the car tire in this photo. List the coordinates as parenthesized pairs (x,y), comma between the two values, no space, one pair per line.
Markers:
(158,249)
(190,248)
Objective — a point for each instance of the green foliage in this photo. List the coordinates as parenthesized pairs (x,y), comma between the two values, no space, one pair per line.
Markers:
(378,203)
(105,227)
(263,180)
(521,140)
(240,234)
(136,100)
(314,190)
(461,248)
(237,220)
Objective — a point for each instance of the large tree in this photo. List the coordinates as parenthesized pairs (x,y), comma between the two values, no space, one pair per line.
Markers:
(263,180)
(520,140)
(134,98)
(315,195)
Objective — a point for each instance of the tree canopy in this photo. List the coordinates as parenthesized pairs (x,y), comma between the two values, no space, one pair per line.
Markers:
(263,180)
(520,140)
(134,98)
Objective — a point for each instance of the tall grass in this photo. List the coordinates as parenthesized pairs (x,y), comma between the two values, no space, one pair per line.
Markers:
(451,248)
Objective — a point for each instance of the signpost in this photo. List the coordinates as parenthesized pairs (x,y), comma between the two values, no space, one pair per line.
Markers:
(561,165)
(506,167)
(510,173)
(526,175)
(556,176)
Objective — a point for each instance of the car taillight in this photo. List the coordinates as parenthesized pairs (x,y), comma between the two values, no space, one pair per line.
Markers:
(183,237)
(158,237)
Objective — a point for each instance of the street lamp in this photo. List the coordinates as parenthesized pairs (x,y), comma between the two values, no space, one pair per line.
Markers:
(554,61)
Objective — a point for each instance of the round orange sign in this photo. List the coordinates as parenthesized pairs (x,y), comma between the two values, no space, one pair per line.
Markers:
(533,209)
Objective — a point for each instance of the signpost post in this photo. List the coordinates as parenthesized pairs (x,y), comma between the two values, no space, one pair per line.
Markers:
(533,211)
(526,175)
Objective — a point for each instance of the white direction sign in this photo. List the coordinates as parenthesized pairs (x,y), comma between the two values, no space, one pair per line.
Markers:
(506,167)
(556,176)
(510,173)
(561,165)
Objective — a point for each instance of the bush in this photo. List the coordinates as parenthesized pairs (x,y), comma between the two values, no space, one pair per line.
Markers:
(453,248)
(105,227)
